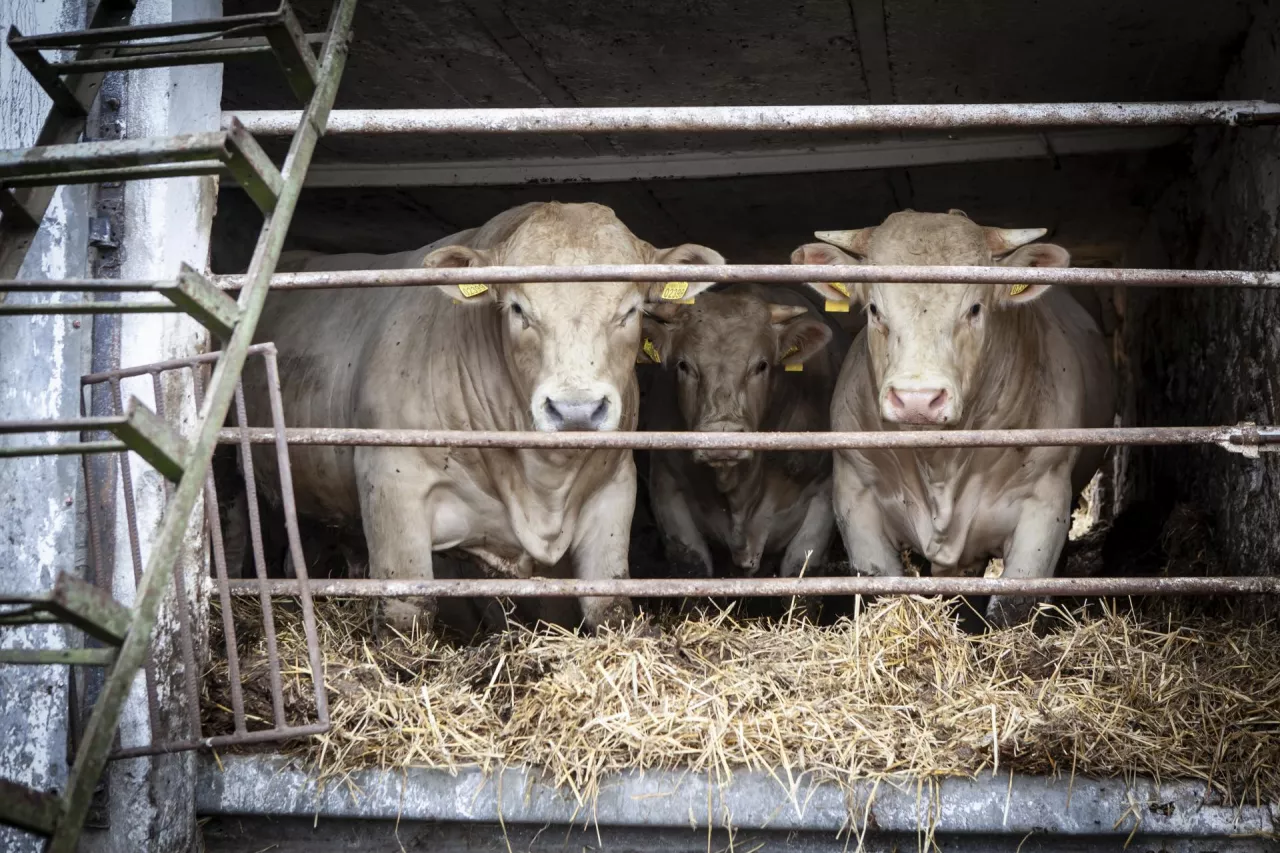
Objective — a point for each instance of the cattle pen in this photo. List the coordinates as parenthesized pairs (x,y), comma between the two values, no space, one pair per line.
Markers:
(186,661)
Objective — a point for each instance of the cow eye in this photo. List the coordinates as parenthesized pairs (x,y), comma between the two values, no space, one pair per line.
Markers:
(519,313)
(682,366)
(761,367)
(626,318)
(975,310)
(873,310)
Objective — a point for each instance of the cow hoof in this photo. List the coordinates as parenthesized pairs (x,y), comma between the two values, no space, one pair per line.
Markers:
(1006,611)
(607,612)
(409,617)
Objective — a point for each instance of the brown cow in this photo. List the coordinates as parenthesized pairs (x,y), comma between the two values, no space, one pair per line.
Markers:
(969,357)
(506,357)
(730,366)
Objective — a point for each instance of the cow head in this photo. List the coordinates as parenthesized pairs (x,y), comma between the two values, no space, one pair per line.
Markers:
(928,342)
(570,347)
(726,352)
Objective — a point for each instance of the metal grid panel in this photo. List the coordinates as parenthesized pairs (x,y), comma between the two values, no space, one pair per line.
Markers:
(278,728)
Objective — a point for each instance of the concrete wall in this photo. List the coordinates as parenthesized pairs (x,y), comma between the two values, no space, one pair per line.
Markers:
(41,359)
(160,224)
(1213,356)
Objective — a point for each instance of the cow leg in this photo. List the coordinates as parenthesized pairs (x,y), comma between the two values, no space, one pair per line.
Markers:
(397,528)
(807,551)
(600,546)
(1035,547)
(862,526)
(686,548)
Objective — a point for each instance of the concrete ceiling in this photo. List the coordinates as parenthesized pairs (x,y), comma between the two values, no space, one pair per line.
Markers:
(491,53)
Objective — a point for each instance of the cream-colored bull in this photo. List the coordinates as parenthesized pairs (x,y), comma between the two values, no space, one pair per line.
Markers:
(968,357)
(507,357)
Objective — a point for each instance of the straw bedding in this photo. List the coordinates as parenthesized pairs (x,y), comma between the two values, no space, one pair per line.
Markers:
(899,689)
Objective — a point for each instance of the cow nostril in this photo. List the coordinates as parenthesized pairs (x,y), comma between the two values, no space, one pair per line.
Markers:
(600,413)
(894,400)
(553,414)
(939,400)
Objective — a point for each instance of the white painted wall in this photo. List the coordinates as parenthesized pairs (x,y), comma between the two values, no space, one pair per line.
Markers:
(40,365)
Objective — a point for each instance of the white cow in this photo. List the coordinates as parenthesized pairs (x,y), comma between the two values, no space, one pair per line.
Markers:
(968,357)
(507,357)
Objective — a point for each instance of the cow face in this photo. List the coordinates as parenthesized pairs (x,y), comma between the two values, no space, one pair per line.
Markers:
(570,347)
(726,352)
(927,342)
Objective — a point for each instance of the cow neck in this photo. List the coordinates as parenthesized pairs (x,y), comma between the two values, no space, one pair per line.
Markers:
(741,485)
(1003,396)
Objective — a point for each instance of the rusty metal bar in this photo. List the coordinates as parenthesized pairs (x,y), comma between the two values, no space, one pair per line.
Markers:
(1235,436)
(263,736)
(63,425)
(161,366)
(780,273)
(884,117)
(762,587)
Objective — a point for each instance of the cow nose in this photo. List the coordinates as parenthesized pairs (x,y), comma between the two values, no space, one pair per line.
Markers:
(720,456)
(567,415)
(918,405)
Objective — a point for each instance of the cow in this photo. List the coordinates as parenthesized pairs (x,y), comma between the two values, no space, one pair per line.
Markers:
(530,356)
(749,358)
(969,357)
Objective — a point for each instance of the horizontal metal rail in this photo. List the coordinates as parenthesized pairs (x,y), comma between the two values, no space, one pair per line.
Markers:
(886,117)
(41,309)
(783,273)
(1243,436)
(136,32)
(170,55)
(762,587)
(260,736)
(65,425)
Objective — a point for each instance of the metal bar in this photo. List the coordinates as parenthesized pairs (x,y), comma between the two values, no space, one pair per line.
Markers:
(70,657)
(1241,436)
(78,449)
(170,364)
(293,52)
(106,714)
(154,440)
(261,736)
(52,160)
(151,172)
(102,35)
(34,811)
(220,574)
(782,273)
(251,166)
(64,100)
(771,119)
(295,539)
(63,425)
(207,305)
(762,587)
(260,561)
(173,54)
(103,307)
(76,602)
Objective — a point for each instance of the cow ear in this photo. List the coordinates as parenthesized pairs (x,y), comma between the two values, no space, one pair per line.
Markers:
(838,296)
(461,256)
(1035,255)
(656,331)
(681,291)
(800,338)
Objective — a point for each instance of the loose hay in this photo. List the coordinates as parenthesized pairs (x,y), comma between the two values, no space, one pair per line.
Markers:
(901,689)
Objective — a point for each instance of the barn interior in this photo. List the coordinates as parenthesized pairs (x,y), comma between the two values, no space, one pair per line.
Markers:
(1129,197)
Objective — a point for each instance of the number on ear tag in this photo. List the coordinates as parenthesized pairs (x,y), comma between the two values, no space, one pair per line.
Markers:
(470,290)
(675,290)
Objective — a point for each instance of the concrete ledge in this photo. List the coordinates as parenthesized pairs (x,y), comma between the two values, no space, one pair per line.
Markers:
(269,785)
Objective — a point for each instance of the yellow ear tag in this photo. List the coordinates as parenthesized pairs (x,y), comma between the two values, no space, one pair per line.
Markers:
(470,290)
(834,307)
(1015,289)
(840,287)
(675,290)
(651,351)
(792,368)
(687,301)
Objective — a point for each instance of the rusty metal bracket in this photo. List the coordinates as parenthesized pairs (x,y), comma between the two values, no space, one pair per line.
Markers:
(208,305)
(74,601)
(34,811)
(1248,439)
(292,51)
(147,435)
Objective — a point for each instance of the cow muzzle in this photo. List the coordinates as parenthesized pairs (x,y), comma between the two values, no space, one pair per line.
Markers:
(596,408)
(919,403)
(720,457)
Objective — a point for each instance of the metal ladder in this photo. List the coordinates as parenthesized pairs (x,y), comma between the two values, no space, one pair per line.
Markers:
(28,180)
